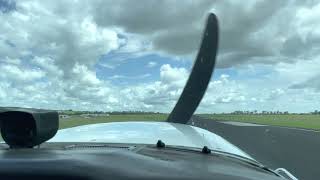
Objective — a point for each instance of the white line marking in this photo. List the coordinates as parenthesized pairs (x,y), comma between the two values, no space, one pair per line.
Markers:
(252,124)
(300,129)
(240,123)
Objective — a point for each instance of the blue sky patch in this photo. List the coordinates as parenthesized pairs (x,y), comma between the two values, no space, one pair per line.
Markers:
(7,6)
(121,69)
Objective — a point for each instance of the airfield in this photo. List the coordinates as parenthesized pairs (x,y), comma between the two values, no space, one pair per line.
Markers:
(295,149)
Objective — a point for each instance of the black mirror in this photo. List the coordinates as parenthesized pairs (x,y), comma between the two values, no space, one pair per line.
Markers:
(26,128)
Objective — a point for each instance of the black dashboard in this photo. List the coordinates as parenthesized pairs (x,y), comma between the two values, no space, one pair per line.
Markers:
(120,161)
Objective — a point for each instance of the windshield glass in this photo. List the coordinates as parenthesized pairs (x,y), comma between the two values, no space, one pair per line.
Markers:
(120,61)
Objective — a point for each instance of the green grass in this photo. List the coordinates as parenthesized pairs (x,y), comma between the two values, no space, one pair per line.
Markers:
(306,121)
(78,120)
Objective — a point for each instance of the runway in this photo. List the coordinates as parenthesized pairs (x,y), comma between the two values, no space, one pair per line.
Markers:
(297,150)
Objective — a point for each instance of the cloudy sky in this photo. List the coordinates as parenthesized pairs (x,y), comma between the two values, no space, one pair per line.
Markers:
(136,55)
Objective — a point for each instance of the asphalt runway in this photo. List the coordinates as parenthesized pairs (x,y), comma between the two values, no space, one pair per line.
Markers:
(297,150)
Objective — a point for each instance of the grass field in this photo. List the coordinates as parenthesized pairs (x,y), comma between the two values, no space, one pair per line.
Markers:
(292,120)
(306,121)
(78,120)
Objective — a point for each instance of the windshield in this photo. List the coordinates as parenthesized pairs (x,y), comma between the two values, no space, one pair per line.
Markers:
(97,60)
(120,61)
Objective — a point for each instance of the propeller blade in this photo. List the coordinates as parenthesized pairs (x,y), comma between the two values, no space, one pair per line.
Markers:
(200,75)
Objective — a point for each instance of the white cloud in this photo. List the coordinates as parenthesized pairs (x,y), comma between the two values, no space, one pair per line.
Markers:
(8,60)
(255,32)
(48,65)
(85,76)
(152,64)
(173,75)
(16,73)
(130,77)
(160,95)
(63,35)
(49,49)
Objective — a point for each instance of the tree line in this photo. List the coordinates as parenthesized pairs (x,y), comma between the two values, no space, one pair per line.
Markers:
(239,112)
(71,112)
(269,112)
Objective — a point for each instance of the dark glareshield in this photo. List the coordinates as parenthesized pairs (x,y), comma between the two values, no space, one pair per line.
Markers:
(26,128)
(200,75)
